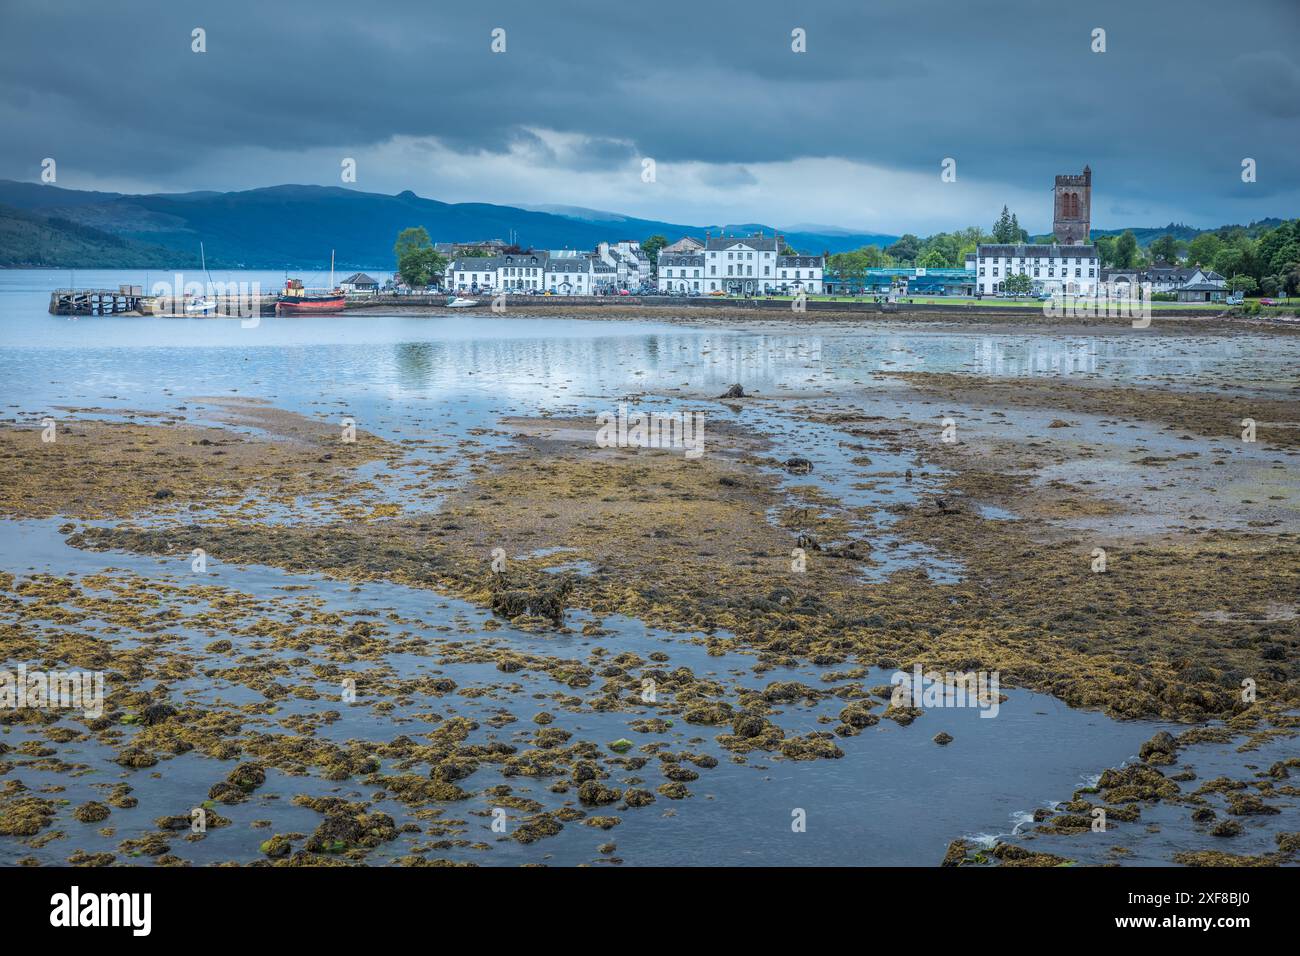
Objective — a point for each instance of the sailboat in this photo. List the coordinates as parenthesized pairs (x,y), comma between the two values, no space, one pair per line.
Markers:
(296,299)
(203,305)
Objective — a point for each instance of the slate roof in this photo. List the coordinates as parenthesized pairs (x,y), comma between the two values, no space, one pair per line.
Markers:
(757,243)
(1036,252)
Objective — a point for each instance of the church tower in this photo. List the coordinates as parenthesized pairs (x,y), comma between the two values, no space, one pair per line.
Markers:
(1072,218)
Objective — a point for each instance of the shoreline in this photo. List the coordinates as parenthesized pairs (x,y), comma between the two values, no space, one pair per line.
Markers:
(853,319)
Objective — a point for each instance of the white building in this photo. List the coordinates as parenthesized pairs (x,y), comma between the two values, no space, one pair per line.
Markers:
(471,275)
(525,271)
(1165,278)
(631,264)
(752,265)
(1071,270)
(360,284)
(570,275)
(681,272)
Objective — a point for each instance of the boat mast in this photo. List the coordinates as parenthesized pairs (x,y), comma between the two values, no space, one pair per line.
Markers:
(331,270)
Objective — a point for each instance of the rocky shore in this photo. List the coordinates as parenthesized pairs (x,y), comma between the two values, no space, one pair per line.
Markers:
(1191,620)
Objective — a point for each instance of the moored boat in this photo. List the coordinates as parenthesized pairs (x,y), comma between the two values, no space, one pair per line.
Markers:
(297,300)
(460,302)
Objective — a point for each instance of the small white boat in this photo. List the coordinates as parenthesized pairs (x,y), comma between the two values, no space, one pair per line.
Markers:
(200,306)
(460,302)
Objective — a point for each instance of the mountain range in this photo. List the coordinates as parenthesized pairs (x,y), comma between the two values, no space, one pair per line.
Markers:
(295,227)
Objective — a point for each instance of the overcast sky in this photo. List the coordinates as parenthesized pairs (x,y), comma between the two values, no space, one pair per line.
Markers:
(851,133)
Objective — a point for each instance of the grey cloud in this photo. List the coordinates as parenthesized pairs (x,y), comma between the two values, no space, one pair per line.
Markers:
(1011,90)
(728,176)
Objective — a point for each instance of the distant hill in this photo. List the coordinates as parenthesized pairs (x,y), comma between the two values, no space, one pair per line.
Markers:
(28,240)
(296,226)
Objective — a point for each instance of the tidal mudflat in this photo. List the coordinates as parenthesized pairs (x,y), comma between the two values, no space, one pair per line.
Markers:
(370,591)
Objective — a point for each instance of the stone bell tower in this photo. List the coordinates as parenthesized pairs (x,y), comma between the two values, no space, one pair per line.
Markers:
(1072,216)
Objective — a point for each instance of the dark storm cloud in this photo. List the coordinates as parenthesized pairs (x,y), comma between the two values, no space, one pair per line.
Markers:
(1010,88)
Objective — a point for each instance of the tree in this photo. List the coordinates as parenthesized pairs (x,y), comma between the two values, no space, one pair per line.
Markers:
(1167,248)
(416,237)
(1021,235)
(1018,283)
(419,267)
(1284,257)
(1291,280)
(1202,250)
(1126,250)
(1106,250)
(1243,284)
(851,267)
(417,261)
(651,247)
(906,249)
(1229,261)
(945,246)
(1007,229)
(874,257)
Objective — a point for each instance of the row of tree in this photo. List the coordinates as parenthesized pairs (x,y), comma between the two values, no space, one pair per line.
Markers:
(1268,262)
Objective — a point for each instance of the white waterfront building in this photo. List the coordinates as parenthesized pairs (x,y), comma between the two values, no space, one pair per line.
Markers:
(570,275)
(524,271)
(752,265)
(681,272)
(1069,270)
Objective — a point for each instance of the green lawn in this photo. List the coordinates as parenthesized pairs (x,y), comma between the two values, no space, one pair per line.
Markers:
(988,301)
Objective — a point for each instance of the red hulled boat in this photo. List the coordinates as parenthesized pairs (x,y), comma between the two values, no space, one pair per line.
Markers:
(296,300)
